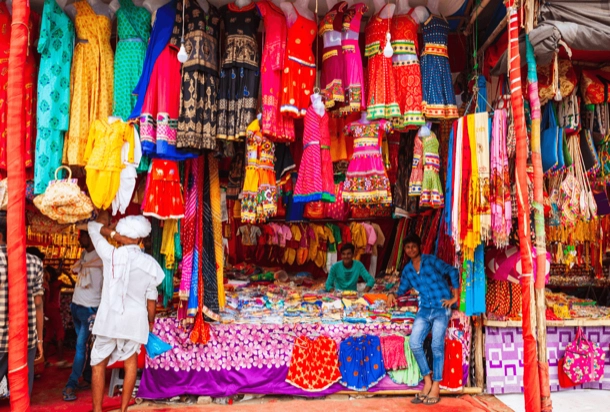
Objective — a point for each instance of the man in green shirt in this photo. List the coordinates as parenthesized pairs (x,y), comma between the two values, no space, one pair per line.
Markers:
(344,275)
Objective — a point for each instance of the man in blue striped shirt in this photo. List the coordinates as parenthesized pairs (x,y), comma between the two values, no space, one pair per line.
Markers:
(429,276)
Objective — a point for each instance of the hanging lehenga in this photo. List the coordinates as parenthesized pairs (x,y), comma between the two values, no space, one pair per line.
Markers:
(240,74)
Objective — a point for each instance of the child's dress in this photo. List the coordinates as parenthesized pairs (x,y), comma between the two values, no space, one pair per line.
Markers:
(315,179)
(299,67)
(432,191)
(333,67)
(163,198)
(407,72)
(361,362)
(382,101)
(439,98)
(366,179)
(417,171)
(354,79)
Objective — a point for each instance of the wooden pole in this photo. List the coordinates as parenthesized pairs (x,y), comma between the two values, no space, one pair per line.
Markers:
(493,35)
(473,16)
(479,374)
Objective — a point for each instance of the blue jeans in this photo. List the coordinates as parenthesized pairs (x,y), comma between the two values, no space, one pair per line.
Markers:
(80,315)
(427,319)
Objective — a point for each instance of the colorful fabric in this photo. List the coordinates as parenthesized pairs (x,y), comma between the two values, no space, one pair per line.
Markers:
(361,362)
(91,82)
(410,375)
(417,172)
(133,31)
(439,98)
(187,234)
(482,138)
(314,365)
(215,200)
(355,98)
(382,101)
(299,67)
(501,209)
(315,180)
(276,126)
(198,108)
(55,46)
(392,348)
(405,65)
(452,372)
(259,193)
(333,66)
(240,74)
(432,190)
(163,198)
(366,179)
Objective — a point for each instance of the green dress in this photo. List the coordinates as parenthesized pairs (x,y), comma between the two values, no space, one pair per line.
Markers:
(55,46)
(410,376)
(133,27)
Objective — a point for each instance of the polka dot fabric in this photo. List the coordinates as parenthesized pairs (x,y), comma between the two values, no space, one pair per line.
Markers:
(361,362)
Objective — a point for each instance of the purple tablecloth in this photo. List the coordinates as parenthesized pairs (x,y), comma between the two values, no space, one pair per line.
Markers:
(504,356)
(241,359)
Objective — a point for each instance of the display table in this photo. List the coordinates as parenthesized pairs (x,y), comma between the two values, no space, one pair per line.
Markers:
(242,358)
(504,352)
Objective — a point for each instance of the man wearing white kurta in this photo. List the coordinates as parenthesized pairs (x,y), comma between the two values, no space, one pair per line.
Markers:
(127,310)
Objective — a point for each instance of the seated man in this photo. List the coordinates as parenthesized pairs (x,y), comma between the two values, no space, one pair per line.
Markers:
(344,275)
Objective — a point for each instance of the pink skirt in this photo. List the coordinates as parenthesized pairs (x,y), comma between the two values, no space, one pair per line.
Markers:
(354,77)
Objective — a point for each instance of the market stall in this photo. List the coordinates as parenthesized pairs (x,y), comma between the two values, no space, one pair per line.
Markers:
(261,137)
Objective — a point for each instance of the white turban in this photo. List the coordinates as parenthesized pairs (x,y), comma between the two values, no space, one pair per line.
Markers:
(134,227)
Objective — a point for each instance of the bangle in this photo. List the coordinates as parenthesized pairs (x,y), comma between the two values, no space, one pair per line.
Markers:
(38,341)
(112,234)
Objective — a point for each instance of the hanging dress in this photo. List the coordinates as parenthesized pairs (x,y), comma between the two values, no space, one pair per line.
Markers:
(163,198)
(315,179)
(240,74)
(275,125)
(133,30)
(30,74)
(55,46)
(159,37)
(333,67)
(259,193)
(405,65)
(432,190)
(354,79)
(198,121)
(439,98)
(104,160)
(314,365)
(299,67)
(366,181)
(91,79)
(382,101)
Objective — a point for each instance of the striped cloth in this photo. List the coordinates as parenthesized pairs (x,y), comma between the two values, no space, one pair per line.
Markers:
(217,226)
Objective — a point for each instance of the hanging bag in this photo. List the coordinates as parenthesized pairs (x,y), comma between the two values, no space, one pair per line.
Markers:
(550,138)
(589,154)
(583,360)
(63,201)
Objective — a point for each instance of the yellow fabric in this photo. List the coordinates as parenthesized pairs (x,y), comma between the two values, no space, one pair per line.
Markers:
(358,239)
(217,227)
(103,157)
(380,238)
(474,218)
(91,81)
(319,256)
(168,242)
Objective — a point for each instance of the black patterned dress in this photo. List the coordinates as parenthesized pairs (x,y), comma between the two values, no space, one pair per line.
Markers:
(197,124)
(240,74)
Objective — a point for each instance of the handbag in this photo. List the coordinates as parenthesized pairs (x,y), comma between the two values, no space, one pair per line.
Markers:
(589,154)
(63,201)
(564,380)
(569,114)
(550,141)
(583,360)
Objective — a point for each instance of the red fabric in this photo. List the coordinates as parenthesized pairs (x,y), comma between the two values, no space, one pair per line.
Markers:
(466,174)
(564,381)
(452,369)
(531,381)
(16,147)
(314,365)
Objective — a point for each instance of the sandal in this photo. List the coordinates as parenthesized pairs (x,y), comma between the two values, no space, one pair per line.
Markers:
(432,401)
(68,396)
(419,398)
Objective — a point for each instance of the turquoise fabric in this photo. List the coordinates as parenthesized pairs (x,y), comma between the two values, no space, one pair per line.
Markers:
(55,46)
